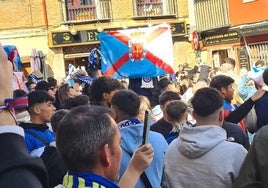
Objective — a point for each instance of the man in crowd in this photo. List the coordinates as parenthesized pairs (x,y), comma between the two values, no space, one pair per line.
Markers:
(46,86)
(37,133)
(89,144)
(232,112)
(201,156)
(126,104)
(162,125)
(102,90)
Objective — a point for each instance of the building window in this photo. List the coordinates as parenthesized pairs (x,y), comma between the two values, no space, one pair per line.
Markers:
(151,8)
(87,10)
(86,2)
(258,51)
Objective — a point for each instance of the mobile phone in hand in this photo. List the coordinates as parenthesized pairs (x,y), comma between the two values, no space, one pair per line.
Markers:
(146,127)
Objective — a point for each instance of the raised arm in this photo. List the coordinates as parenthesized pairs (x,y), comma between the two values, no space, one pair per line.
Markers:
(6,77)
(140,160)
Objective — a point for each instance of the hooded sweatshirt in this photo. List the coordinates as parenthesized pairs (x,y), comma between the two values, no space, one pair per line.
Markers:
(131,133)
(201,157)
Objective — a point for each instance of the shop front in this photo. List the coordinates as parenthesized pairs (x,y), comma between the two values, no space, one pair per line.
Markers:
(246,44)
(255,39)
(219,45)
(75,49)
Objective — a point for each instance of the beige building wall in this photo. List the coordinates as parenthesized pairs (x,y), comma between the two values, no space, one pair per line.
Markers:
(26,28)
(183,53)
(21,14)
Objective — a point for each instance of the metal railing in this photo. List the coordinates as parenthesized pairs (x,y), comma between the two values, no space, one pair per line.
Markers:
(155,8)
(211,14)
(89,12)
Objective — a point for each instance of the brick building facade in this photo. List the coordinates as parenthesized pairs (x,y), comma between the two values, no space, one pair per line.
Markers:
(30,24)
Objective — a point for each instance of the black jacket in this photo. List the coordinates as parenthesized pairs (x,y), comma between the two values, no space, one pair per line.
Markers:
(17,167)
(161,126)
(55,166)
(240,112)
(235,131)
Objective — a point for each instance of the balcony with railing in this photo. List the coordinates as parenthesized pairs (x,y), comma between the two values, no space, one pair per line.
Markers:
(210,14)
(88,10)
(154,8)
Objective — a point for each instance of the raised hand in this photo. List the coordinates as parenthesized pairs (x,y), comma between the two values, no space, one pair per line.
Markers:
(6,77)
(140,160)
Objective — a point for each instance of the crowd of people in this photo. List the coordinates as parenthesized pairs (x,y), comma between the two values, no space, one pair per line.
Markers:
(88,132)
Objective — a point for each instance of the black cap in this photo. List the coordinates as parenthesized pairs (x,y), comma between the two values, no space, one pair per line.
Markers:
(44,85)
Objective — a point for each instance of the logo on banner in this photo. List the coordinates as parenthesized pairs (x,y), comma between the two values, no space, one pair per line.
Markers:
(136,45)
(135,53)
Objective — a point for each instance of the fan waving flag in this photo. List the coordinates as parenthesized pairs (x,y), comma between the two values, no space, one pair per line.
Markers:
(136,53)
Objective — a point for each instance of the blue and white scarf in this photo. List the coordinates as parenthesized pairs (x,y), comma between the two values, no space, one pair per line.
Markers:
(129,122)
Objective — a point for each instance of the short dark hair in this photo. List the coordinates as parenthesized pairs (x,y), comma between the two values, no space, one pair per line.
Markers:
(103,85)
(175,110)
(265,76)
(55,119)
(127,101)
(28,84)
(37,97)
(206,101)
(163,83)
(221,81)
(19,93)
(52,80)
(168,96)
(80,136)
(76,101)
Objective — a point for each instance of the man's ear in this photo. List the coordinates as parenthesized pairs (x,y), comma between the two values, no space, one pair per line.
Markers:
(223,90)
(105,96)
(167,117)
(36,109)
(221,115)
(105,155)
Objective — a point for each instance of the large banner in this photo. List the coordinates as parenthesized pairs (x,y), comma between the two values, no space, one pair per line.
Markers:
(136,53)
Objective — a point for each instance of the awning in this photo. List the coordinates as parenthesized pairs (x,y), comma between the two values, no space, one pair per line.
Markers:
(259,28)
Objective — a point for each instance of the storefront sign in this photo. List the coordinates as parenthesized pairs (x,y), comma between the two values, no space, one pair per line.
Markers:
(254,30)
(65,38)
(220,37)
(68,38)
(177,28)
(88,36)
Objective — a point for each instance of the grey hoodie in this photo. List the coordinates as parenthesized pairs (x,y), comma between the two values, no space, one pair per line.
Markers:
(201,157)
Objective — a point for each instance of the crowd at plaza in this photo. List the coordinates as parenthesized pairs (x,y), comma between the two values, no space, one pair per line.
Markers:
(207,129)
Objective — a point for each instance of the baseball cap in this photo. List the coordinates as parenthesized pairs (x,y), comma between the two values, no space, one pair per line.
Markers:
(44,85)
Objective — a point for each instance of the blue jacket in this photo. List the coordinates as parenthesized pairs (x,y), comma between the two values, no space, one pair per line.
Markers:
(131,139)
(37,136)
